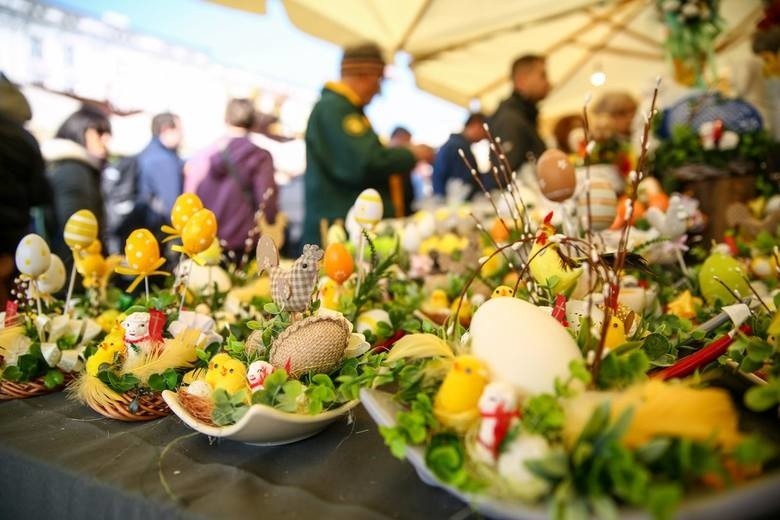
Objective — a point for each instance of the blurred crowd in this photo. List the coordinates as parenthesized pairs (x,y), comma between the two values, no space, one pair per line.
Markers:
(235,176)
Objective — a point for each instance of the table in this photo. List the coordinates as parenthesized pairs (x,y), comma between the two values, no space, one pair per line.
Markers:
(59,460)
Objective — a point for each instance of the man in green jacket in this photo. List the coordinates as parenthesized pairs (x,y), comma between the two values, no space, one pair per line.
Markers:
(343,153)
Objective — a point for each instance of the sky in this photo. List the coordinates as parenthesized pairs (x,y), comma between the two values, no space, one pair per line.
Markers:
(271,45)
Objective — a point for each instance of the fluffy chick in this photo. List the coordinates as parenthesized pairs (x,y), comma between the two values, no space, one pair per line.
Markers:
(462,387)
(226,373)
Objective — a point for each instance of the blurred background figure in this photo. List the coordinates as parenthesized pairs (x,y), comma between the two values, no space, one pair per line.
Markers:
(401,188)
(22,177)
(449,165)
(613,115)
(569,134)
(160,170)
(516,118)
(76,157)
(343,153)
(239,180)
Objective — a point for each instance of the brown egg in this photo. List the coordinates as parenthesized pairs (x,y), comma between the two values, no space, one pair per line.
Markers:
(556,175)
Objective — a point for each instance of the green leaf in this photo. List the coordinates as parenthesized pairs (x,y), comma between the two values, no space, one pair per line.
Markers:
(53,379)
(171,379)
(254,325)
(271,308)
(662,499)
(758,349)
(157,382)
(287,400)
(653,450)
(656,345)
(762,397)
(754,450)
(12,373)
(554,466)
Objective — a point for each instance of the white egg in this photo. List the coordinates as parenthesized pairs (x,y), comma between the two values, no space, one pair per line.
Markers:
(369,320)
(199,388)
(410,238)
(522,344)
(203,277)
(54,278)
(368,208)
(33,256)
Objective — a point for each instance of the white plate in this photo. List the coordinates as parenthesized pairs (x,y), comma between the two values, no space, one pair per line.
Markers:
(262,425)
(755,498)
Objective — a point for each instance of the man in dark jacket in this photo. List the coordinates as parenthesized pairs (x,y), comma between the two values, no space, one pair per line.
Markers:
(343,154)
(449,164)
(160,169)
(515,120)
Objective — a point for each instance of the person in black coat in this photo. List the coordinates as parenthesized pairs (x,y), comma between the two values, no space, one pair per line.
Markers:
(21,176)
(449,164)
(515,119)
(76,157)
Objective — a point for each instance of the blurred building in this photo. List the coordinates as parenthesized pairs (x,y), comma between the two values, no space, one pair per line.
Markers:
(52,52)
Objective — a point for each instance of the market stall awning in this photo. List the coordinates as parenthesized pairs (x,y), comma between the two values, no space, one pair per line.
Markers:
(461,50)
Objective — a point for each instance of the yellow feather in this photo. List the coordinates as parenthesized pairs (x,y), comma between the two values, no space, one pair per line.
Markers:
(178,352)
(7,337)
(197,374)
(417,346)
(92,391)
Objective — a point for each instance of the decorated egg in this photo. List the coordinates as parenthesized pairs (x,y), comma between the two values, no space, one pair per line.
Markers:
(142,251)
(54,278)
(727,269)
(369,320)
(186,205)
(603,202)
(81,229)
(556,175)
(212,255)
(199,231)
(368,208)
(410,238)
(33,256)
(522,344)
(338,263)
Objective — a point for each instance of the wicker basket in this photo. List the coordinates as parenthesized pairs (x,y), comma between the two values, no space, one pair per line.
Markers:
(315,344)
(11,390)
(150,406)
(197,406)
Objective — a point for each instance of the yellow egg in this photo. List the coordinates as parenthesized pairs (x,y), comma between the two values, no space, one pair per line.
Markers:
(33,256)
(368,208)
(212,255)
(142,250)
(81,229)
(199,231)
(186,205)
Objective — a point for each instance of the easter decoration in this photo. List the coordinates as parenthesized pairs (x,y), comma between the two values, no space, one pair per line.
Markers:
(142,259)
(39,352)
(366,212)
(138,359)
(81,229)
(299,368)
(559,393)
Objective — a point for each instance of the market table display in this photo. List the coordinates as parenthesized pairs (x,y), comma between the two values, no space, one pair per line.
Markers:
(58,459)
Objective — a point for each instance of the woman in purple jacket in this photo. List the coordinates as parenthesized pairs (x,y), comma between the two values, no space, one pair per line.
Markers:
(240,180)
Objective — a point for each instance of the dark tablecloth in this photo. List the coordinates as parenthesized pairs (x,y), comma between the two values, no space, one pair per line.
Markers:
(60,460)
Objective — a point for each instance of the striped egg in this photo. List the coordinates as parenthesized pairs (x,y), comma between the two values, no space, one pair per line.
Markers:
(81,229)
(186,205)
(603,204)
(33,256)
(368,208)
(142,250)
(199,231)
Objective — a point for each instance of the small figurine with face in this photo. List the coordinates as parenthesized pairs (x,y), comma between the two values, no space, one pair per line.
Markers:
(257,373)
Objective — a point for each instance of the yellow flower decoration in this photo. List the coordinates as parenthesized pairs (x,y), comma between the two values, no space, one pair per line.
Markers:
(142,253)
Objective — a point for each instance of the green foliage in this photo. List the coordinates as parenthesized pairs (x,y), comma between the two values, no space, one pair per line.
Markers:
(115,382)
(659,350)
(763,397)
(543,414)
(168,380)
(321,392)
(53,379)
(29,366)
(228,409)
(411,427)
(445,456)
(206,354)
(620,371)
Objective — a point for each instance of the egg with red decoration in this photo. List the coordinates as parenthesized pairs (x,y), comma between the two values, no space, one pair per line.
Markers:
(199,231)
(186,205)
(338,262)
(556,175)
(142,250)
(33,256)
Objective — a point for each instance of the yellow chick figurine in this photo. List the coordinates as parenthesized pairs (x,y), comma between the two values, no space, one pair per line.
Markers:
(466,310)
(438,300)
(459,394)
(546,263)
(503,291)
(112,344)
(226,373)
(616,333)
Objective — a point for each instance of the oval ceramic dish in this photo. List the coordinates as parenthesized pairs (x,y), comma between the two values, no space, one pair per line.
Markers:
(753,499)
(262,425)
